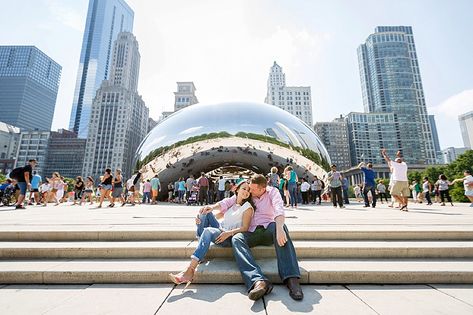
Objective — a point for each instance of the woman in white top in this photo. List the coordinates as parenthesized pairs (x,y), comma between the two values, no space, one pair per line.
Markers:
(467,184)
(235,220)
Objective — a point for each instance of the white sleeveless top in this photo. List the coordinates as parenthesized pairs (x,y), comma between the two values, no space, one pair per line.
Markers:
(233,217)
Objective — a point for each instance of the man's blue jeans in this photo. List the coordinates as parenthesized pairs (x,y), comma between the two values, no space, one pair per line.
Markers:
(208,230)
(288,266)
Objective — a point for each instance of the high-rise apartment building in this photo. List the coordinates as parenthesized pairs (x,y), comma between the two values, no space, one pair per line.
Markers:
(185,95)
(334,136)
(119,117)
(371,132)
(33,145)
(65,154)
(450,154)
(466,127)
(105,20)
(293,99)
(29,82)
(9,138)
(391,83)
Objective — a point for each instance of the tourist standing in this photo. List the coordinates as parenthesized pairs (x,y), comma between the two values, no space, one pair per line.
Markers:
(292,179)
(345,185)
(23,176)
(400,189)
(443,184)
(106,188)
(88,191)
(273,177)
(190,182)
(118,187)
(221,188)
(467,185)
(146,192)
(78,189)
(35,181)
(316,189)
(203,184)
(357,190)
(305,188)
(155,189)
(427,188)
(335,184)
(181,190)
(382,191)
(369,184)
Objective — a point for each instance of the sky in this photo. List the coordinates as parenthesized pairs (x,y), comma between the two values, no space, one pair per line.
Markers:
(227,47)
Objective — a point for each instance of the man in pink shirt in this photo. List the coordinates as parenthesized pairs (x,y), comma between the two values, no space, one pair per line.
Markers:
(203,184)
(267,227)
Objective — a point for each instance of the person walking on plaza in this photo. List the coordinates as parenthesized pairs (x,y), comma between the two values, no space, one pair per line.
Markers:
(427,188)
(221,188)
(267,227)
(117,192)
(146,192)
(203,184)
(335,184)
(381,188)
(369,183)
(88,191)
(345,185)
(190,182)
(467,185)
(78,189)
(443,184)
(236,219)
(292,180)
(22,177)
(316,190)
(415,188)
(155,189)
(106,188)
(400,189)
(35,181)
(305,189)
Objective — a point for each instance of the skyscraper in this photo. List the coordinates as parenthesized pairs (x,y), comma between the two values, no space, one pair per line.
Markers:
(119,117)
(29,81)
(185,95)
(105,19)
(334,136)
(466,127)
(435,137)
(293,99)
(391,83)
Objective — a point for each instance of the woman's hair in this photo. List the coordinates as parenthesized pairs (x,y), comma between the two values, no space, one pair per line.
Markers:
(443,177)
(249,199)
(90,178)
(118,171)
(107,170)
(287,169)
(274,169)
(79,178)
(57,174)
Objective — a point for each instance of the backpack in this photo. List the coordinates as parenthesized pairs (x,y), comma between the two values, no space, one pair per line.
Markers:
(16,173)
(273,180)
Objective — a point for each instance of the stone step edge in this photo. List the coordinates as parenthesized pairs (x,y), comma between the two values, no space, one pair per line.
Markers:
(223,272)
(190,235)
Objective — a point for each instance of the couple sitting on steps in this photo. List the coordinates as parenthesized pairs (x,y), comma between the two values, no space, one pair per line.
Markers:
(253,216)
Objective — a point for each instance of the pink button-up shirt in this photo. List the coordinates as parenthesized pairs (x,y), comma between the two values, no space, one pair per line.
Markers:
(268,207)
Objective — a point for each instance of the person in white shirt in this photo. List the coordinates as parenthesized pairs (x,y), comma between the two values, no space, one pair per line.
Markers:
(221,188)
(44,190)
(305,187)
(467,184)
(236,219)
(400,190)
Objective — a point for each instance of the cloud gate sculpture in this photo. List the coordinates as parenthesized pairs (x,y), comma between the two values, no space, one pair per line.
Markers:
(212,138)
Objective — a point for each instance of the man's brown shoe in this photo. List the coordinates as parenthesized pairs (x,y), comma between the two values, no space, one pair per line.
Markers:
(295,290)
(260,288)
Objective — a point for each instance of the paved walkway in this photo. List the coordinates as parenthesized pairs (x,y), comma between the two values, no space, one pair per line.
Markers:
(231,299)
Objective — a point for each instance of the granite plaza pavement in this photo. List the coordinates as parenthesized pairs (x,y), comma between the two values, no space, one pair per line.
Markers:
(84,260)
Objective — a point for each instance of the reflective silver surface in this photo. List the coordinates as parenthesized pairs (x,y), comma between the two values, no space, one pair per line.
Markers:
(204,137)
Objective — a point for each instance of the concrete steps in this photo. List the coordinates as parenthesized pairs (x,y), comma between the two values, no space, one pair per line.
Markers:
(313,271)
(93,256)
(184,249)
(189,235)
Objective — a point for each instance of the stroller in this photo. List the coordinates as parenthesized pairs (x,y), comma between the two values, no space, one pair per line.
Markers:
(193,198)
(6,196)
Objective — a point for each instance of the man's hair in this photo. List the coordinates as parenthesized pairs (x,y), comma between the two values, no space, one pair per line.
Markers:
(467,171)
(333,165)
(32,160)
(369,165)
(259,180)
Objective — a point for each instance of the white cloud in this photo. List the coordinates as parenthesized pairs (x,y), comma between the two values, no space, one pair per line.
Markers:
(455,105)
(65,14)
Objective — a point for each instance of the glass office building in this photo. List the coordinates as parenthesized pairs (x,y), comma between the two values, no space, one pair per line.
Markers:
(29,82)
(391,83)
(105,19)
